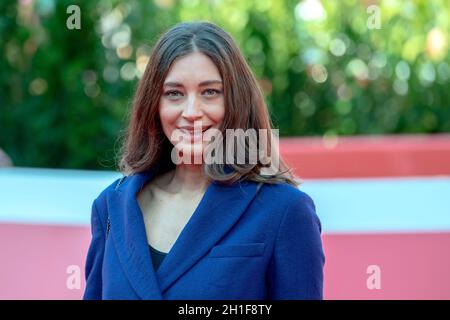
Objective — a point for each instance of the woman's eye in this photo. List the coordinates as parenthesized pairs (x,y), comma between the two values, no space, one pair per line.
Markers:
(211,92)
(172,93)
(207,92)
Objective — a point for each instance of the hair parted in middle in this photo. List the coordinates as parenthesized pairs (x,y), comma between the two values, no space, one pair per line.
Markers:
(145,144)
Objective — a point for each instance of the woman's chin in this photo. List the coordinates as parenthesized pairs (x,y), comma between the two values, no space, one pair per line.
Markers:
(190,153)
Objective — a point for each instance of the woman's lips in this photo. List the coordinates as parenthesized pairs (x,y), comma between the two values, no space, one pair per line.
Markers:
(203,129)
(193,134)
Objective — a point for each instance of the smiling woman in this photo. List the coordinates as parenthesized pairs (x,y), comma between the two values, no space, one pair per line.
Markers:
(197,73)
(192,92)
(184,230)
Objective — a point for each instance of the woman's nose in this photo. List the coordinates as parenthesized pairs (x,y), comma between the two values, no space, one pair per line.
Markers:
(192,109)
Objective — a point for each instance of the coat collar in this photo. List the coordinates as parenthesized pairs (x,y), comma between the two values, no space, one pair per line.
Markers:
(217,212)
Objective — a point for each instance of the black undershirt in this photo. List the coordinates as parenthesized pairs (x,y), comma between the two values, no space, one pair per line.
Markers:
(157,257)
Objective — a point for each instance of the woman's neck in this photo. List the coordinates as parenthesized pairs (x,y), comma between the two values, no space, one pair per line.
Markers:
(186,179)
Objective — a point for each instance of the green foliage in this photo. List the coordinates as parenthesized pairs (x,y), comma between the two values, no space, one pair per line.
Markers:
(65,94)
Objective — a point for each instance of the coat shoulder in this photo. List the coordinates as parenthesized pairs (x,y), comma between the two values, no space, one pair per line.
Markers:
(284,199)
(115,185)
(285,194)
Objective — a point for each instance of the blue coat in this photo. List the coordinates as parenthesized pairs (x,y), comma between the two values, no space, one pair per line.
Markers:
(242,242)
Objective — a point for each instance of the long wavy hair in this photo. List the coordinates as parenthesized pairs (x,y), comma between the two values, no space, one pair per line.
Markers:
(144,143)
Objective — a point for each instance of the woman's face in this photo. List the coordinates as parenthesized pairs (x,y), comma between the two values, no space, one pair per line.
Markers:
(192,94)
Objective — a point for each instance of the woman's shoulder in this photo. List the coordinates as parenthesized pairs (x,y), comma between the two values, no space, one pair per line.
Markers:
(115,185)
(285,192)
(286,202)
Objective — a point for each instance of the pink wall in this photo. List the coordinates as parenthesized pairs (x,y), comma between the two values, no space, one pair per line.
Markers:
(35,259)
(413,266)
(369,156)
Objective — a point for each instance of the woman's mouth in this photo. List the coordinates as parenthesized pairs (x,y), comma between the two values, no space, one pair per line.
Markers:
(194,133)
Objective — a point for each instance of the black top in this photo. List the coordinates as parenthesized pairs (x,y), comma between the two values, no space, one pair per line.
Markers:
(157,257)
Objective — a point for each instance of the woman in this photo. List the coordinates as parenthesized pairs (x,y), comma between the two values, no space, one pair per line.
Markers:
(177,226)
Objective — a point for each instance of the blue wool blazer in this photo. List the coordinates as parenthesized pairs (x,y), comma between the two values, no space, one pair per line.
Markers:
(244,241)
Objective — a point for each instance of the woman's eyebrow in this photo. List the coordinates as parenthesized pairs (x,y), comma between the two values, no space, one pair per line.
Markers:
(201,84)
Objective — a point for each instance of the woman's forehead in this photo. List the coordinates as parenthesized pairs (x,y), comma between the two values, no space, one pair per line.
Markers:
(195,66)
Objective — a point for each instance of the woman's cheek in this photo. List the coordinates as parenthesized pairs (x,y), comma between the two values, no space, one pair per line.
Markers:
(217,112)
(168,118)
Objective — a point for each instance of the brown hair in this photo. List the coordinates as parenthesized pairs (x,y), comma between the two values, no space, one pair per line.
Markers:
(145,143)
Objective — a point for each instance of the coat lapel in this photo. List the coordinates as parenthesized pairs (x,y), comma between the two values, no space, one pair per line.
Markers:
(130,238)
(217,212)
